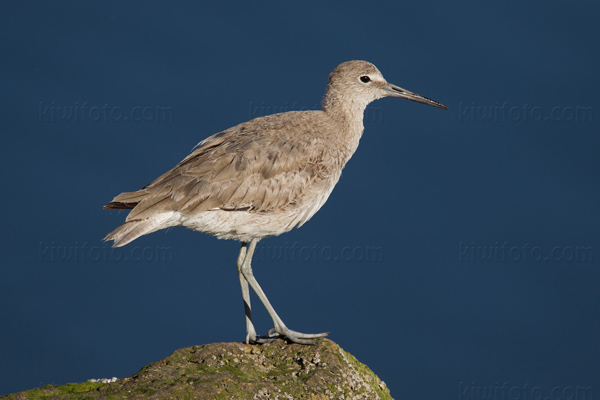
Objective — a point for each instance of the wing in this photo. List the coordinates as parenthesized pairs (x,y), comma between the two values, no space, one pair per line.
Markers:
(253,167)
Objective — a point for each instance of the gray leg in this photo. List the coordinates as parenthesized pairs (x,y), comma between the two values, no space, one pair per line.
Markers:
(246,272)
(250,331)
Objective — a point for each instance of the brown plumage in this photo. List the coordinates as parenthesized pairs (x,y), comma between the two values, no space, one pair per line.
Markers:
(263,177)
(250,168)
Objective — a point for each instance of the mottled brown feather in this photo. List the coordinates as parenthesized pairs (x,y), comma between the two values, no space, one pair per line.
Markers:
(251,166)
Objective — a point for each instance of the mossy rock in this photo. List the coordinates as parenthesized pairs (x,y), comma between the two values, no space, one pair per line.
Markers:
(234,371)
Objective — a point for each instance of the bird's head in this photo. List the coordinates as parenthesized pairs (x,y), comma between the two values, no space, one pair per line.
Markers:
(360,82)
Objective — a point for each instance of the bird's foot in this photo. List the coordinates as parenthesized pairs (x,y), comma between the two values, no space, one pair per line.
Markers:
(284,333)
(294,336)
(261,339)
(253,338)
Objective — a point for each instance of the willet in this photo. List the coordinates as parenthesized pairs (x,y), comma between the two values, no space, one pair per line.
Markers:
(262,178)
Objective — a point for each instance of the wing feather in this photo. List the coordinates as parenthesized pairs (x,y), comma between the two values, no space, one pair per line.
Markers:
(246,167)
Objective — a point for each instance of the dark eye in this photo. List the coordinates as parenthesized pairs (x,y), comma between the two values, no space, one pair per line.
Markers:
(365,79)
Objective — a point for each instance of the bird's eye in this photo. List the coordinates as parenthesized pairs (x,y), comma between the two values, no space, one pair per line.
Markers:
(365,79)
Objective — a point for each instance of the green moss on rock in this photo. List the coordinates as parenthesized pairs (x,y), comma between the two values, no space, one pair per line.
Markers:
(232,371)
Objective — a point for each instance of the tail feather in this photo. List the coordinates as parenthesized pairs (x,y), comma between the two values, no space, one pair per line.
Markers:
(135,228)
(115,205)
(126,201)
(130,231)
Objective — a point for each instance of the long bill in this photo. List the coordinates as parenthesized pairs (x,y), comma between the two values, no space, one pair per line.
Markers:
(397,91)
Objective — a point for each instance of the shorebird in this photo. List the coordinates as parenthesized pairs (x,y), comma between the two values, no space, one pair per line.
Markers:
(262,178)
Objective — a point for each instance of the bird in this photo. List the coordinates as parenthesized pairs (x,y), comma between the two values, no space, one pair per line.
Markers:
(262,178)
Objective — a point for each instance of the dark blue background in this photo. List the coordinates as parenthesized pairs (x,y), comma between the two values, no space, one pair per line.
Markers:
(429,314)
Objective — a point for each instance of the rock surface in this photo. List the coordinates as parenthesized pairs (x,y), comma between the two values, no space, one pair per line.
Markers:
(217,371)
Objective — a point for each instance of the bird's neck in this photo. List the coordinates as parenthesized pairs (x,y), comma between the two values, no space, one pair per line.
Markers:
(349,113)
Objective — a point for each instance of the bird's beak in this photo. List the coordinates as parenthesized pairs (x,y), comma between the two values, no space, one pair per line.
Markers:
(396,91)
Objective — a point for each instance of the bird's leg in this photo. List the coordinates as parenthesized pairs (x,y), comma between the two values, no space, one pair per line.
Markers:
(250,331)
(280,328)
